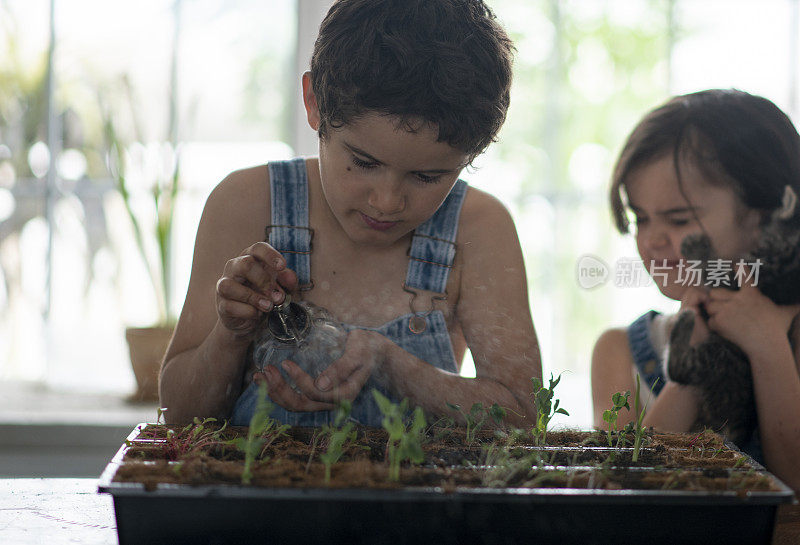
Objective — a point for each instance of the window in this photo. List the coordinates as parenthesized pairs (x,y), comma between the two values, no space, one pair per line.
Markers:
(585,72)
(67,298)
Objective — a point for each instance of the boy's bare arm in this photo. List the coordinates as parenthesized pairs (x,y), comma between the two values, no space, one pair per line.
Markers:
(204,366)
(494,313)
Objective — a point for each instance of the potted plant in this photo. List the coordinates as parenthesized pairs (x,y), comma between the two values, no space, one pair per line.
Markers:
(157,165)
(412,481)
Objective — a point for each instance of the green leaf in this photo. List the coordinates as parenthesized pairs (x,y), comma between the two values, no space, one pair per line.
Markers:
(412,451)
(343,410)
(629,427)
(419,420)
(259,422)
(497,413)
(238,442)
(383,402)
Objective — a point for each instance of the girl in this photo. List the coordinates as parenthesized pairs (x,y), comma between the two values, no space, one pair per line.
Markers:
(717,162)
(377,229)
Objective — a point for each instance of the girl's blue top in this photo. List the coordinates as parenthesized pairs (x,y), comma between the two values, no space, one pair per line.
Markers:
(431,257)
(650,365)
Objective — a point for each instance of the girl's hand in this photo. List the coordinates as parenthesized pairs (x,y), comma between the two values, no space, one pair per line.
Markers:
(693,299)
(251,284)
(343,379)
(748,318)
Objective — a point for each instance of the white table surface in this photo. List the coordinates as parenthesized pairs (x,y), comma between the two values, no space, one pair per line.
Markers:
(55,512)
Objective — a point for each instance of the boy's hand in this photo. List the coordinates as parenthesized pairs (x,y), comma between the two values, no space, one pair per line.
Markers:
(251,284)
(343,379)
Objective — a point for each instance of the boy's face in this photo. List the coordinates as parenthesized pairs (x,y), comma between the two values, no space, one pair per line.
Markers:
(382,181)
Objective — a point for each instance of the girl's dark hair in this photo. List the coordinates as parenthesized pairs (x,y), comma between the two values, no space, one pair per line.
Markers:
(442,62)
(733,137)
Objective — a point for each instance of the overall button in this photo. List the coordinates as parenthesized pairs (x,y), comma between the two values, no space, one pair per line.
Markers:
(417,324)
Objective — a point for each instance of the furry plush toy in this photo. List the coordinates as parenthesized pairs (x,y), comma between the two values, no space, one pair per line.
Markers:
(719,368)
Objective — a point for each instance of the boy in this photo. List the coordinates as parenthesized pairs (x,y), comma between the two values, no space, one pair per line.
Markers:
(403,94)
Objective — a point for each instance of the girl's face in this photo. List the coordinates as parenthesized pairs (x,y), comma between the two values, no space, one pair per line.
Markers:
(665,215)
(382,181)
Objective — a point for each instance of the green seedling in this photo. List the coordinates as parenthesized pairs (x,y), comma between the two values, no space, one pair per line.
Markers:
(511,436)
(339,434)
(505,469)
(405,440)
(739,480)
(507,464)
(629,430)
(477,416)
(442,427)
(619,401)
(546,408)
(673,480)
(542,477)
(571,474)
(313,448)
(191,438)
(640,412)
(261,433)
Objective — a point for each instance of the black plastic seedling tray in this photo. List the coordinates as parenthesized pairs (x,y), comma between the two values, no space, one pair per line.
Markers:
(243,514)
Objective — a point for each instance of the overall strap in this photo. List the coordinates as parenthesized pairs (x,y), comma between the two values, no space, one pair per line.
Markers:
(647,361)
(433,244)
(289,231)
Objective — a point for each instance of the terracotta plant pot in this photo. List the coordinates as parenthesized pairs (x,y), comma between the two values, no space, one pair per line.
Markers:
(147,346)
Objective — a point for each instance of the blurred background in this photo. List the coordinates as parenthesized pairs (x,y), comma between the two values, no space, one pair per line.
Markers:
(118,118)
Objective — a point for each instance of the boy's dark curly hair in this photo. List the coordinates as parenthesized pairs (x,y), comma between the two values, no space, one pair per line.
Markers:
(443,62)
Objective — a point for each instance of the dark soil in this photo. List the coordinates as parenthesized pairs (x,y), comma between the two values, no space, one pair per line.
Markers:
(570,459)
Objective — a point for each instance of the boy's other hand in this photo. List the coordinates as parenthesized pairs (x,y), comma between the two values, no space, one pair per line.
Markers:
(282,394)
(252,283)
(343,379)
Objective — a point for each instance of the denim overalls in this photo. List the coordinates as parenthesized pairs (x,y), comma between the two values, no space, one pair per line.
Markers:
(430,259)
(650,366)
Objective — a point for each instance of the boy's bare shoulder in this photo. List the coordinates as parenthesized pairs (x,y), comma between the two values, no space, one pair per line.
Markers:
(243,186)
(243,194)
(483,216)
